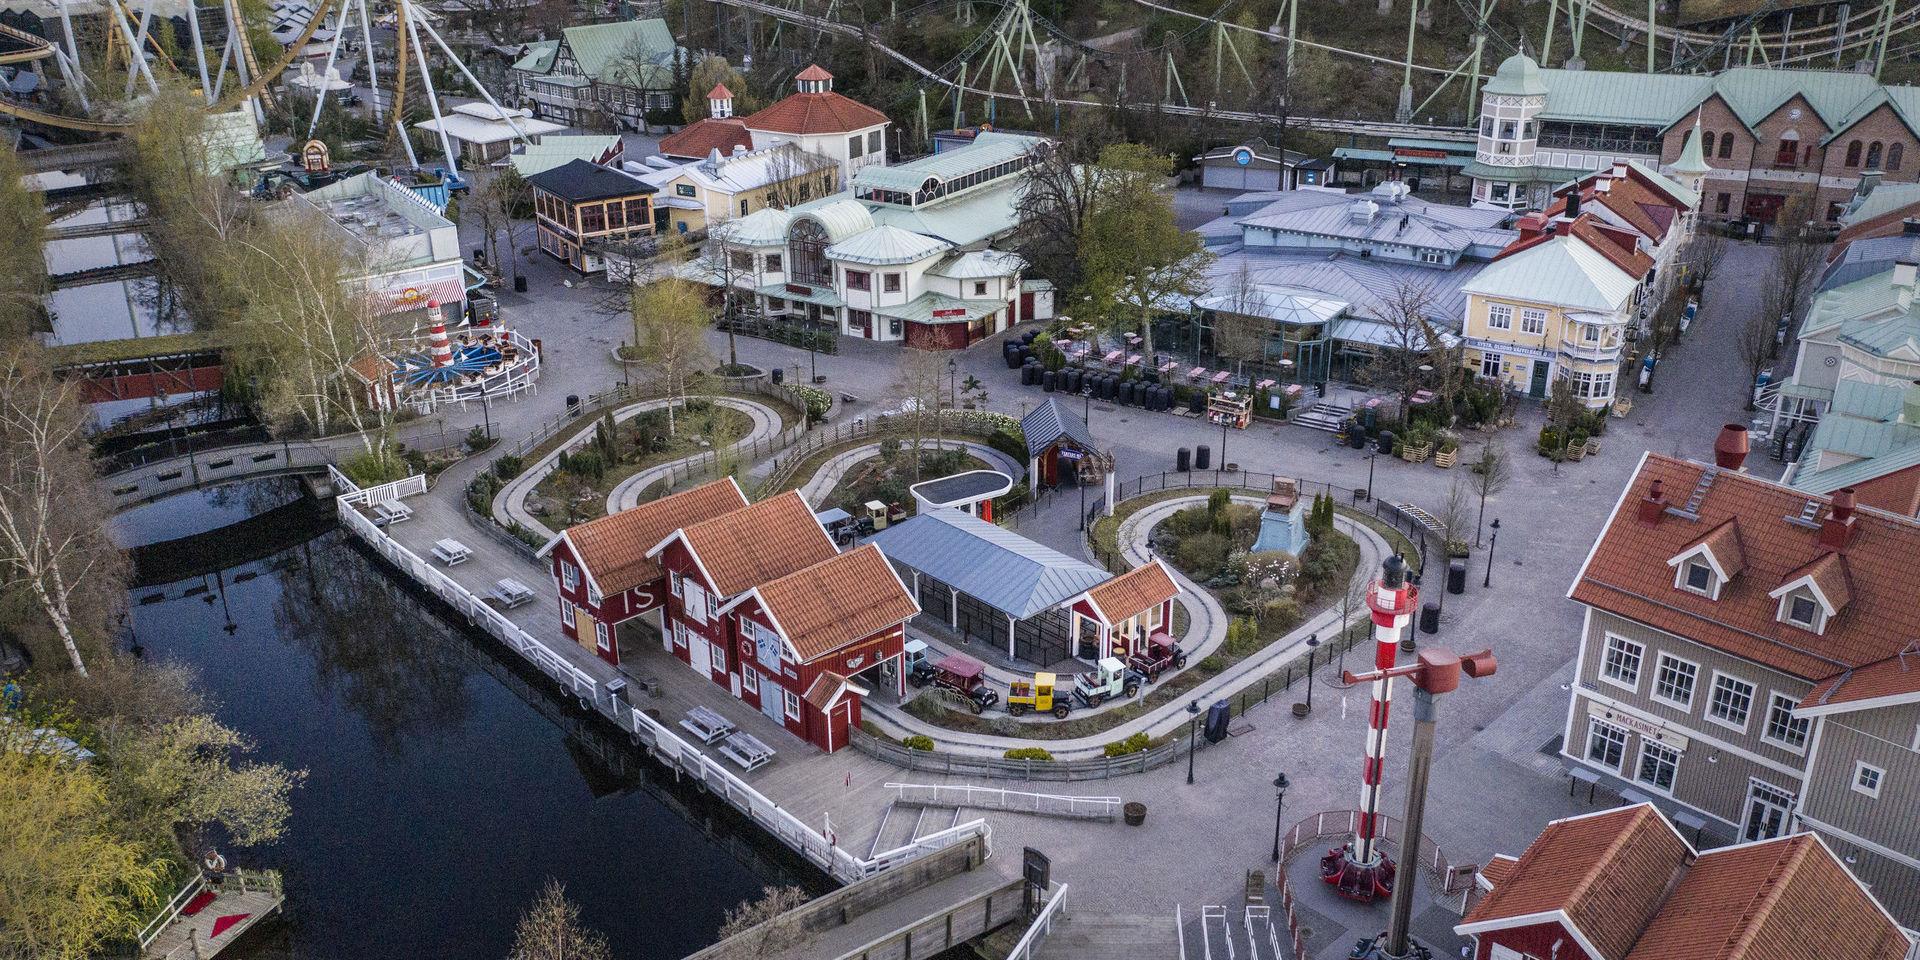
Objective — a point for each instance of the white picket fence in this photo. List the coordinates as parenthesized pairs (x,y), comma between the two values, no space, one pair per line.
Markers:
(816,845)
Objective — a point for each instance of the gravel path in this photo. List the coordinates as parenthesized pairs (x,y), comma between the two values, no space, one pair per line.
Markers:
(828,476)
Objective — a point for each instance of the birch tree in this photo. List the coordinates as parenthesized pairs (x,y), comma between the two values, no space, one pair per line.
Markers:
(23,268)
(53,539)
(670,336)
(551,930)
(1137,260)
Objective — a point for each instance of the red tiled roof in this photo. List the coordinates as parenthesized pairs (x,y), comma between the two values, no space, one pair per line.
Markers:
(813,72)
(719,92)
(812,113)
(756,544)
(825,689)
(1635,891)
(1147,585)
(1498,869)
(1892,677)
(613,549)
(1608,872)
(1784,899)
(837,602)
(1828,572)
(1634,263)
(1627,574)
(697,140)
(1723,541)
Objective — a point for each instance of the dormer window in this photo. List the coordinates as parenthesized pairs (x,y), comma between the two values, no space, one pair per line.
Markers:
(1801,611)
(1699,578)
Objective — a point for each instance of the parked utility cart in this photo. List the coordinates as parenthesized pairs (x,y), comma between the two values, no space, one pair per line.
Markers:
(1037,695)
(1108,679)
(966,677)
(916,662)
(1158,655)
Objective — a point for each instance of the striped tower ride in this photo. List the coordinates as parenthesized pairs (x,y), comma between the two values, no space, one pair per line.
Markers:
(1360,870)
(438,346)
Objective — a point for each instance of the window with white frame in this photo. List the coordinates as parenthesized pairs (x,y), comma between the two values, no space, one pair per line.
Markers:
(1499,316)
(718,654)
(593,595)
(793,703)
(1866,779)
(1659,765)
(673,584)
(1533,322)
(1592,386)
(569,575)
(1673,681)
(679,634)
(693,599)
(1801,611)
(600,637)
(1490,365)
(1697,576)
(1606,744)
(1590,332)
(1731,702)
(1621,664)
(750,680)
(566,612)
(1783,728)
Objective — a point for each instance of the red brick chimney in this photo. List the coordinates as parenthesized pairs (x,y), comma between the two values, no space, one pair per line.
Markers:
(1837,528)
(1653,506)
(1730,448)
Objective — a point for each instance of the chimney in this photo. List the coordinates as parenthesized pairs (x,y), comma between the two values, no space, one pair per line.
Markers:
(1602,186)
(1837,528)
(1573,204)
(1730,448)
(1653,506)
(1868,180)
(1531,225)
(1620,170)
(1904,272)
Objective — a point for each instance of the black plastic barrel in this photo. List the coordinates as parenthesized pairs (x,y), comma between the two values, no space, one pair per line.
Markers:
(1026,354)
(1012,353)
(1029,374)
(1163,398)
(1047,379)
(1368,417)
(1028,336)
(1073,380)
(1152,400)
(1384,443)
(1183,460)
(1198,402)
(779,375)
(1218,716)
(1202,457)
(1456,576)
(1356,440)
(520,284)
(1110,388)
(1430,617)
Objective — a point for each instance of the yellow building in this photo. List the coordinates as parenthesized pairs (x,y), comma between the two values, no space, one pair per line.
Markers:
(694,195)
(1557,303)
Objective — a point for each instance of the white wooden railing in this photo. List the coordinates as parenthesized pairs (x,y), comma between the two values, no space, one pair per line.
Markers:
(816,845)
(1041,926)
(995,798)
(159,923)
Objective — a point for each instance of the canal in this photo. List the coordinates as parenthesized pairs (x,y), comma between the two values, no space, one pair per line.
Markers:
(445,783)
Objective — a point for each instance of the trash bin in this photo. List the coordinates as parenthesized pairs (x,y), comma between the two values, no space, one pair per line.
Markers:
(779,375)
(1456,576)
(1202,457)
(1218,716)
(520,284)
(1430,617)
(1183,460)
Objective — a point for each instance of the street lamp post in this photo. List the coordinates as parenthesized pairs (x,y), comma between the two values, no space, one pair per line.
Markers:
(1313,648)
(1223,444)
(1280,785)
(1193,728)
(1488,582)
(1371,457)
(953,384)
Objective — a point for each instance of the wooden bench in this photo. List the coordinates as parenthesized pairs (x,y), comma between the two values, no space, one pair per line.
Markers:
(1580,775)
(451,552)
(511,593)
(391,512)
(747,750)
(706,725)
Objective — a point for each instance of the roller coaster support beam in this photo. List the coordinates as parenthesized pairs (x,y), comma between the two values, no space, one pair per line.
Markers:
(136,61)
(366,54)
(1886,38)
(1546,42)
(426,83)
(422,23)
(199,48)
(79,79)
(1653,42)
(959,93)
(1840,33)
(333,52)
(1404,112)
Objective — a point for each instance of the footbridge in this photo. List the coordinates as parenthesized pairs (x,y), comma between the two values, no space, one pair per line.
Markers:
(134,485)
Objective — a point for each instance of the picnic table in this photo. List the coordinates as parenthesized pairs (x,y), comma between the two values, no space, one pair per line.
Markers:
(1264,385)
(746,750)
(1221,376)
(1134,360)
(451,552)
(1168,366)
(391,512)
(707,725)
(1113,356)
(510,592)
(1198,372)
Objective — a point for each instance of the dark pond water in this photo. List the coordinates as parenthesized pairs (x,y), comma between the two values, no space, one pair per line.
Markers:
(445,785)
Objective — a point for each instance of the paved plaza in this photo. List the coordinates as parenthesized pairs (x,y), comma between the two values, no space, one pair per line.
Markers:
(1496,782)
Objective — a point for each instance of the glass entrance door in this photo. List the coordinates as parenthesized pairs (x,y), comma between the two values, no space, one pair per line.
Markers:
(1768,808)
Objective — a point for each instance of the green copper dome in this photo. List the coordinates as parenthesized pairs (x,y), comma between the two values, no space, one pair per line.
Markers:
(1519,76)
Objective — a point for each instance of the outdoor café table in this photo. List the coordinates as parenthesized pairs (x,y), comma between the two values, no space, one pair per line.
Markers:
(451,552)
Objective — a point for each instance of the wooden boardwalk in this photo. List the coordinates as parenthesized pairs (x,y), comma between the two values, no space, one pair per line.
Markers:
(216,924)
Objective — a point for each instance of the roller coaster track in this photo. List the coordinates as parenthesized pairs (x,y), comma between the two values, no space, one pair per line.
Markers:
(1353,126)
(39,48)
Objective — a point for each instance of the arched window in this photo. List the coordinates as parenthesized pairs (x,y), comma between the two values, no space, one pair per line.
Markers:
(807,252)
(1893,155)
(1706,146)
(1853,154)
(1726,145)
(1873,155)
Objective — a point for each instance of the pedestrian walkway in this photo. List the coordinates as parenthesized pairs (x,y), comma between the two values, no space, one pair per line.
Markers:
(824,480)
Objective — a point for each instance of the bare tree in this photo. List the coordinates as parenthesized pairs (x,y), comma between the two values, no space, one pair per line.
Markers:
(1240,334)
(759,918)
(1055,199)
(1795,263)
(551,930)
(796,176)
(921,385)
(1754,341)
(1490,476)
(53,538)
(1414,350)
(1453,516)
(1703,254)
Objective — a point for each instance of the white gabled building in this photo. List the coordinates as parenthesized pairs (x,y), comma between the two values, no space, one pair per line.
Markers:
(906,255)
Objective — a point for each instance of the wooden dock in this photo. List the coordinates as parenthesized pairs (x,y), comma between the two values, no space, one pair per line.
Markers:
(239,901)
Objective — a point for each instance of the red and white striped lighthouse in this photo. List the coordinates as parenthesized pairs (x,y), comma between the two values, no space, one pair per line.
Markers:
(1360,870)
(439,348)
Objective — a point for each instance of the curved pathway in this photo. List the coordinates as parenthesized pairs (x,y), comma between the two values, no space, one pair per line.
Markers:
(511,502)
(815,490)
(1134,534)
